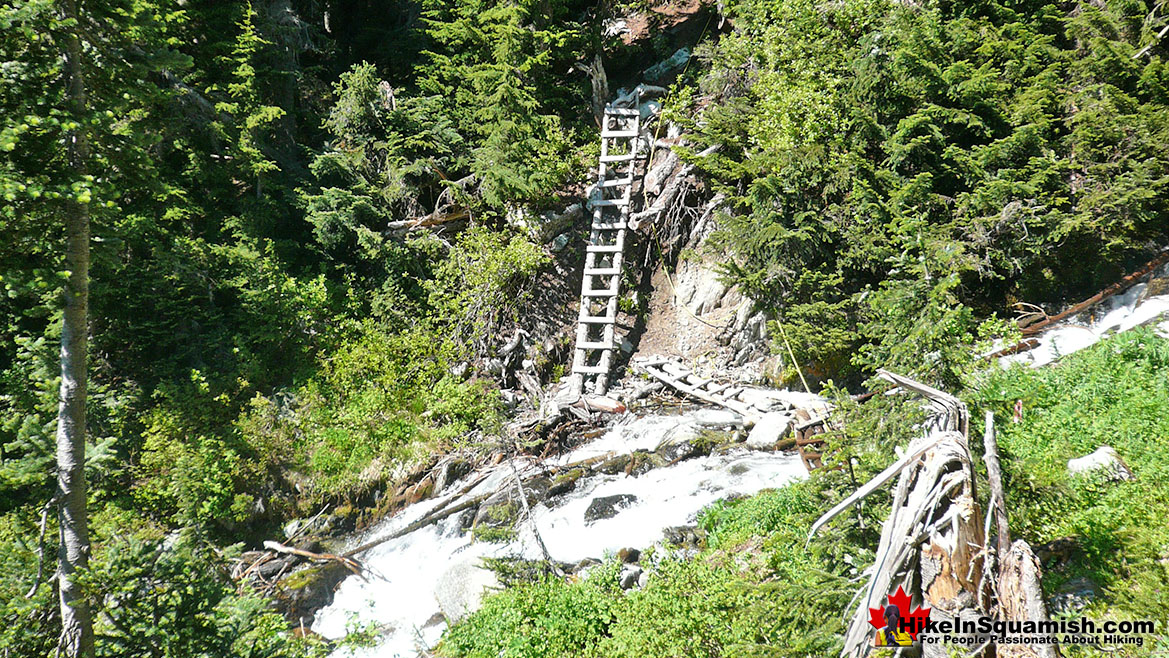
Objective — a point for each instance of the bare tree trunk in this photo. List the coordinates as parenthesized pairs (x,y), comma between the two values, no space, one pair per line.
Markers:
(994,475)
(73,555)
(1021,598)
(600,82)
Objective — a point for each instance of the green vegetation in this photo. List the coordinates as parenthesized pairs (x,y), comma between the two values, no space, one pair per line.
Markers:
(1114,395)
(261,342)
(756,590)
(896,173)
(266,338)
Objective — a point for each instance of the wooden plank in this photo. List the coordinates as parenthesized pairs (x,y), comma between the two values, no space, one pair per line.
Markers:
(812,422)
(603,292)
(602,271)
(617,182)
(590,370)
(698,382)
(649,362)
(597,319)
(657,373)
(994,477)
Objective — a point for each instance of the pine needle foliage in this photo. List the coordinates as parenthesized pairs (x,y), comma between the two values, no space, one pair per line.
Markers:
(925,166)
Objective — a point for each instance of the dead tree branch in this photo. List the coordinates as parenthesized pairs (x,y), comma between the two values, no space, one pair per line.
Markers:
(344,560)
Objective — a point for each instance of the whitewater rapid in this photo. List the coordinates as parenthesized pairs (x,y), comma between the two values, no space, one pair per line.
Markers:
(400,599)
(1125,310)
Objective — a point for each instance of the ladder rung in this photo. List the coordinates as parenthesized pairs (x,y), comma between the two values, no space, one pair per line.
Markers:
(617,182)
(604,248)
(602,271)
(599,292)
(618,158)
(611,226)
(621,111)
(596,319)
(594,345)
(618,134)
(606,203)
(590,370)
(698,382)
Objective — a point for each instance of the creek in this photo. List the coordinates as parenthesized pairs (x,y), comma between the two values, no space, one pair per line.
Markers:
(419,580)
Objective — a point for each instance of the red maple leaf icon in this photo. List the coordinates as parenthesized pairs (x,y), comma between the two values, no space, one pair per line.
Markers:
(911,622)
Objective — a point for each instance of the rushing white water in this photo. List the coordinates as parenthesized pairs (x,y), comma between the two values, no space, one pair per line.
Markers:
(1121,312)
(402,601)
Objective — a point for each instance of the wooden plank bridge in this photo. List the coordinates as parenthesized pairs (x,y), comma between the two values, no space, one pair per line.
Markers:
(810,424)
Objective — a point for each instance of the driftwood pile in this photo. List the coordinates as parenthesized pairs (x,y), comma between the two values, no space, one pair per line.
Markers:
(935,544)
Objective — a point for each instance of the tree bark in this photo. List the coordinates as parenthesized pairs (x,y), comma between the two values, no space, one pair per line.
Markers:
(73,555)
(994,475)
(1021,598)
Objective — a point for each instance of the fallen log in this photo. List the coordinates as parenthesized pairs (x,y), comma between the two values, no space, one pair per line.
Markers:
(666,199)
(426,520)
(1029,342)
(428,221)
(599,403)
(344,560)
(932,544)
(1111,290)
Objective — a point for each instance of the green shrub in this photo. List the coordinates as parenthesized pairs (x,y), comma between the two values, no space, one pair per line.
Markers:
(545,619)
(1114,393)
(895,174)
(173,599)
(485,281)
(382,398)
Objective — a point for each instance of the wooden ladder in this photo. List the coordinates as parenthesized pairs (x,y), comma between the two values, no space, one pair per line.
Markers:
(600,287)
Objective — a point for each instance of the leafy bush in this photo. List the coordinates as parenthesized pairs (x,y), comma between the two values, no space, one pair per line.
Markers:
(484,281)
(755,591)
(545,619)
(382,398)
(173,599)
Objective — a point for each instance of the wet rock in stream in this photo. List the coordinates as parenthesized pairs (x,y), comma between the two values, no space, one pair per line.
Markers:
(460,589)
(302,593)
(606,507)
(629,577)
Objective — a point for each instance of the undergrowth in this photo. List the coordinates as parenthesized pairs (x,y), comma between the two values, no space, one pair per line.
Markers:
(760,588)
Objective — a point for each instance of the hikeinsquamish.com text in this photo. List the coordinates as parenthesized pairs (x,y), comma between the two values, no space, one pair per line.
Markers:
(970,632)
